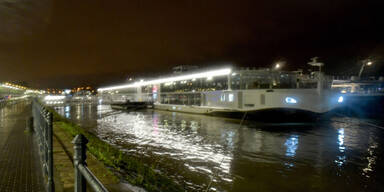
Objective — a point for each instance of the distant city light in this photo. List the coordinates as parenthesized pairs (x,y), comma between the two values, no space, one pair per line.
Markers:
(12,86)
(53,97)
(369,63)
(277,66)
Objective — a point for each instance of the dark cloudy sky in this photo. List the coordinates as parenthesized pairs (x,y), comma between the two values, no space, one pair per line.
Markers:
(65,43)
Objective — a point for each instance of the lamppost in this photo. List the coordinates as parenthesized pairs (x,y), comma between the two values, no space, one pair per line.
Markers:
(278,65)
(275,67)
(365,63)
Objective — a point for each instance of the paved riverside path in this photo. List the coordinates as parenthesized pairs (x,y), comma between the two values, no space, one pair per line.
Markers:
(19,163)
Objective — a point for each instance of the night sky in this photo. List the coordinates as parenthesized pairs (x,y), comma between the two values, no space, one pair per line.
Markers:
(66,43)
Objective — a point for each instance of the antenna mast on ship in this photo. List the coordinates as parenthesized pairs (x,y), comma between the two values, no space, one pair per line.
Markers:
(314,62)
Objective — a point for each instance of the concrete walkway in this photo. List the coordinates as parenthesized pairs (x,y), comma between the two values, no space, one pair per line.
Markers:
(19,162)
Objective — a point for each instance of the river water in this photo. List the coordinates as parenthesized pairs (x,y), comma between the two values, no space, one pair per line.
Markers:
(206,153)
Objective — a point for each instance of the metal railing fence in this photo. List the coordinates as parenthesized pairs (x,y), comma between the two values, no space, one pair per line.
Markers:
(42,121)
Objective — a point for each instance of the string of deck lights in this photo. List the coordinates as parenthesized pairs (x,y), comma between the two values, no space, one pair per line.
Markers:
(208,75)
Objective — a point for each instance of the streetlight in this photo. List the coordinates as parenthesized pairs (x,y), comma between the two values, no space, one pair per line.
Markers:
(365,63)
(278,65)
(274,68)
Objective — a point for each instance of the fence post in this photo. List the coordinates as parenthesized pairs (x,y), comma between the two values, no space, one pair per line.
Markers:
(51,185)
(80,147)
(29,124)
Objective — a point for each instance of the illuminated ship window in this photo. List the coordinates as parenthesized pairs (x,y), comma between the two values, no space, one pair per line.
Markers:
(230,97)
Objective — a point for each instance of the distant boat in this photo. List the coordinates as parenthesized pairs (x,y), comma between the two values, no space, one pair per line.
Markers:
(362,97)
(128,105)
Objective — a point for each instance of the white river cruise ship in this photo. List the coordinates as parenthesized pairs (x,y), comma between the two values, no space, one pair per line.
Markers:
(227,90)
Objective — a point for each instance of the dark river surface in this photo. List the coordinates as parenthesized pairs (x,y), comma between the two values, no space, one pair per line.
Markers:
(335,154)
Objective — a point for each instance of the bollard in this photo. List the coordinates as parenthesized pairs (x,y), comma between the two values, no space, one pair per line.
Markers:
(80,143)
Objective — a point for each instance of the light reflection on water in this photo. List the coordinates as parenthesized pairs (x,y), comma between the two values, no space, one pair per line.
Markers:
(292,143)
(341,158)
(197,148)
(371,159)
(176,140)
(67,112)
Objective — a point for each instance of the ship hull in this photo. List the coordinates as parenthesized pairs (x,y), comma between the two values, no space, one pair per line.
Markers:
(262,115)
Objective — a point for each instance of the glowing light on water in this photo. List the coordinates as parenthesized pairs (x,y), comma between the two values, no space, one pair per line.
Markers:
(292,144)
(371,158)
(172,136)
(340,140)
(67,111)
(155,124)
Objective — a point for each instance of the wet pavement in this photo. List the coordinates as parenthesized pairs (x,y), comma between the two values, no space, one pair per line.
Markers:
(19,162)
(206,153)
